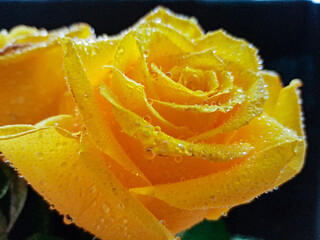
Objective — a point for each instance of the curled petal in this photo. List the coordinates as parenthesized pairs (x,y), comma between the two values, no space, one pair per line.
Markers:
(64,177)
(231,49)
(274,86)
(97,126)
(163,144)
(242,182)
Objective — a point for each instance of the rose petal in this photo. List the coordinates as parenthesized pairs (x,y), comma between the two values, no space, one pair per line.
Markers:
(288,112)
(241,114)
(161,143)
(103,204)
(241,183)
(230,49)
(97,126)
(274,86)
(32,78)
(175,219)
(186,25)
(138,103)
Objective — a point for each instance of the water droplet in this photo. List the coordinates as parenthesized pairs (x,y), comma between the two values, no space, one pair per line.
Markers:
(181,147)
(158,20)
(125,221)
(51,207)
(121,206)
(67,219)
(147,119)
(150,101)
(149,154)
(163,223)
(168,74)
(157,128)
(120,50)
(105,208)
(145,53)
(154,74)
(163,146)
(178,159)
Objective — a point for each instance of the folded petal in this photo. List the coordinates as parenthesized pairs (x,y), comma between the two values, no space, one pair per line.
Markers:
(256,174)
(93,114)
(49,159)
(231,49)
(161,143)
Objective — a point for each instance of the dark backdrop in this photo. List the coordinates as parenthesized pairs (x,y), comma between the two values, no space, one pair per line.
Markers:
(287,34)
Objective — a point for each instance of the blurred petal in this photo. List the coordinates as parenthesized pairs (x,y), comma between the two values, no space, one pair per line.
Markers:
(32,78)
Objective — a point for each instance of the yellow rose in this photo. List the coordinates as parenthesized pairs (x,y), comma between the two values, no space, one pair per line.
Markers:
(31,73)
(178,126)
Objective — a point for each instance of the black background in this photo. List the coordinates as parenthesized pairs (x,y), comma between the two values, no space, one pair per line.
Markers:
(287,34)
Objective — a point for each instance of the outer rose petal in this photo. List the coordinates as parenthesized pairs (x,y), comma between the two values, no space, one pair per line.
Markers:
(188,26)
(242,182)
(32,79)
(103,206)
(232,50)
(274,86)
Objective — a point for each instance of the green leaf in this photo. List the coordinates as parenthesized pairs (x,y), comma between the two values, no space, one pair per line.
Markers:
(207,230)
(40,236)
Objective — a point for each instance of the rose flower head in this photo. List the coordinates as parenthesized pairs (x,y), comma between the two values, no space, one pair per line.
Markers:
(178,125)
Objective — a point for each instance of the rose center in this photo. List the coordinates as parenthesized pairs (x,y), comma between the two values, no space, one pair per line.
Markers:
(196,79)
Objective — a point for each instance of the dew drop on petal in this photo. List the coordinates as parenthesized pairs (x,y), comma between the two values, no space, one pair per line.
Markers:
(67,219)
(150,101)
(149,154)
(157,128)
(120,50)
(178,159)
(105,208)
(147,119)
